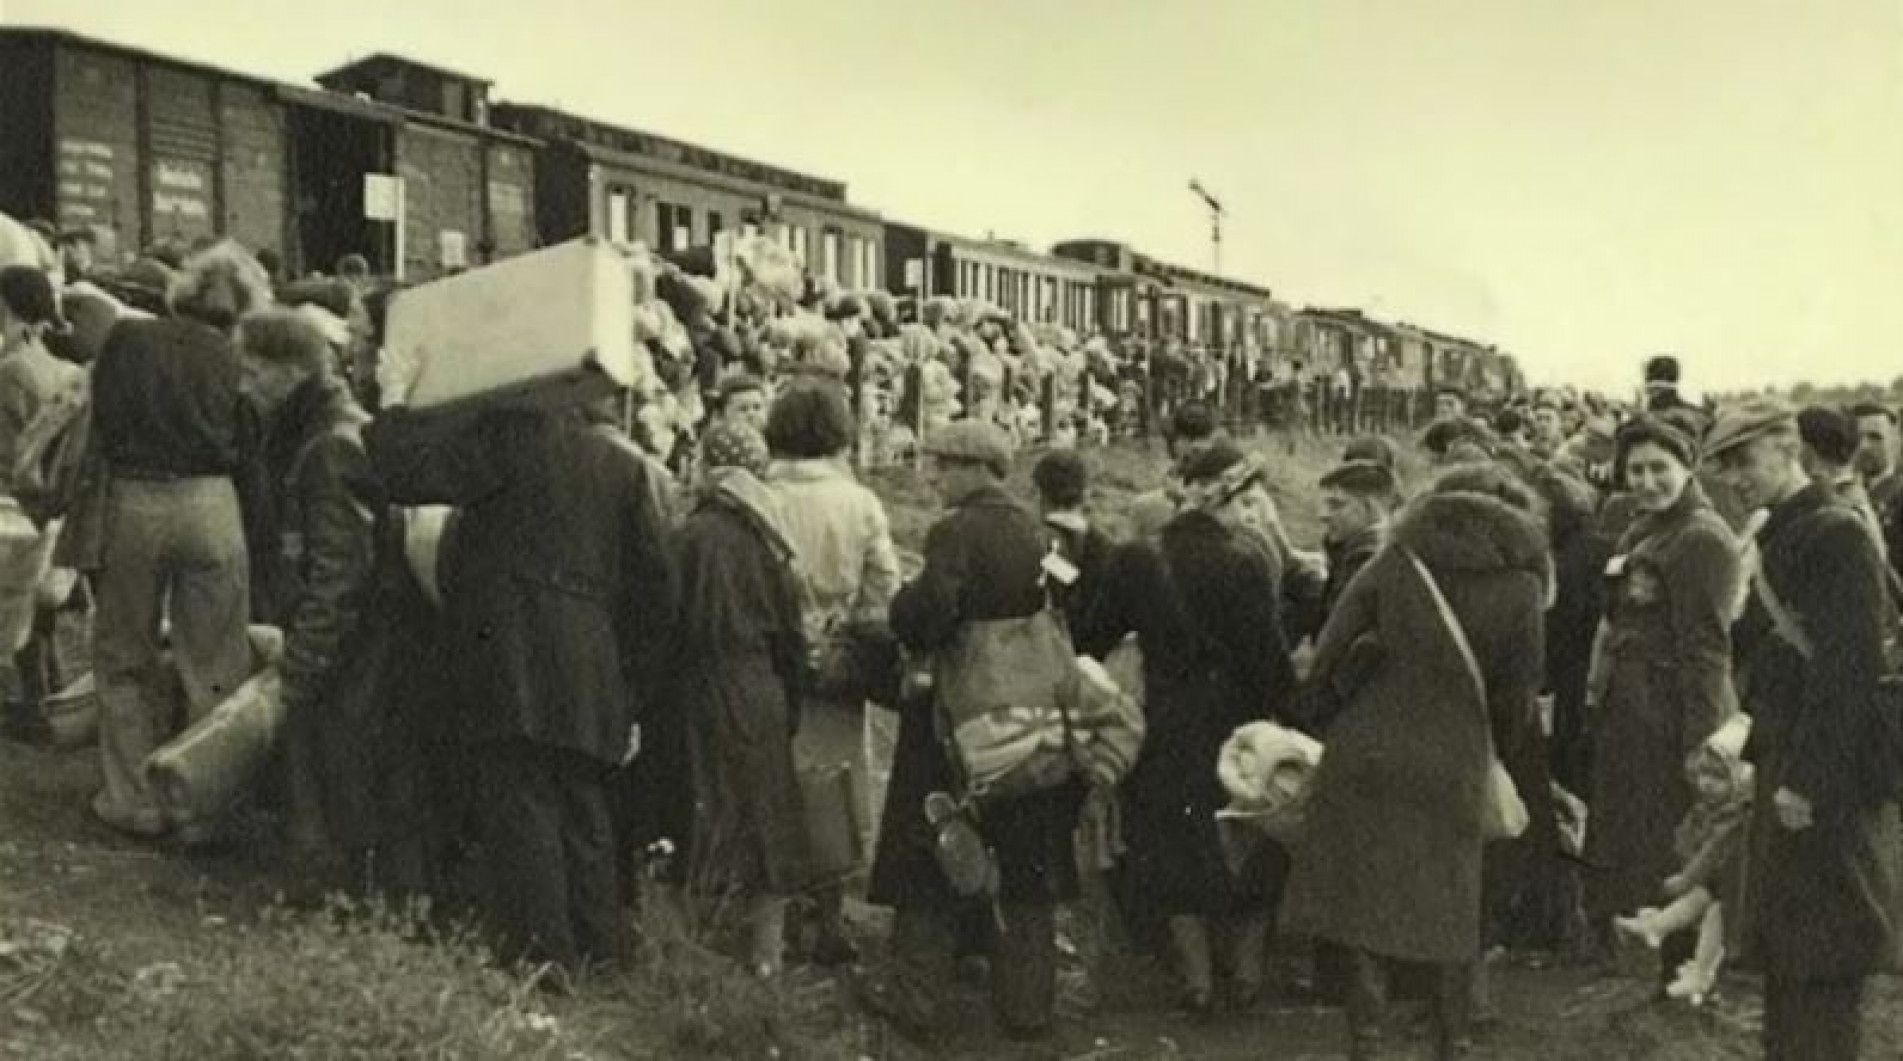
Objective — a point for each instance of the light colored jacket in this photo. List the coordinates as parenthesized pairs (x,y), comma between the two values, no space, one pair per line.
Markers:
(839,529)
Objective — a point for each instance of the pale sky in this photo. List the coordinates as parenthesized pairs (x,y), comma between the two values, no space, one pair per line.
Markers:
(1584,182)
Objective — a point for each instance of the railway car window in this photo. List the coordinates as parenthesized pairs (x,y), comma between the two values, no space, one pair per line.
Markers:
(713,225)
(829,254)
(620,223)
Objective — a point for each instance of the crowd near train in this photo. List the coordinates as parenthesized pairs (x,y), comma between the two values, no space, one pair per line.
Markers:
(556,630)
(404,171)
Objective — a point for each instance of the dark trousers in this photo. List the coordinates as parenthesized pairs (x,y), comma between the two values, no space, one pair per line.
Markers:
(547,852)
(1368,1003)
(1023,962)
(1812,1020)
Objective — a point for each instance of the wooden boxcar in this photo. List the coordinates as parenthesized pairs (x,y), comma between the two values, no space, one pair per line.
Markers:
(137,147)
(142,148)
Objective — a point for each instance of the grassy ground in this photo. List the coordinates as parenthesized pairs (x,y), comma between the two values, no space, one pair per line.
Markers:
(110,949)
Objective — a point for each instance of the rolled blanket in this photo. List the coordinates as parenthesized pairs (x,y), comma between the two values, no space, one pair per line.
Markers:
(1267,770)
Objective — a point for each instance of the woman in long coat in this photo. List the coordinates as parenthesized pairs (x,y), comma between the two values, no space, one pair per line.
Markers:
(850,571)
(741,652)
(1661,678)
(1392,866)
(1203,605)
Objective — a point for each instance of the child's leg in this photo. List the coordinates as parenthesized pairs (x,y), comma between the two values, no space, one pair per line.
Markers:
(1711,939)
(1654,924)
(1697,977)
(1683,913)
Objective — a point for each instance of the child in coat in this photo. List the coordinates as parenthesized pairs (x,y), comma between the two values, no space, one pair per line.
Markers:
(1707,842)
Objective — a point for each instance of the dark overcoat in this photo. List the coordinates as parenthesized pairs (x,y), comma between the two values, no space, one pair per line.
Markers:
(1667,687)
(1203,607)
(982,562)
(1820,901)
(1579,603)
(738,653)
(556,591)
(335,582)
(1391,859)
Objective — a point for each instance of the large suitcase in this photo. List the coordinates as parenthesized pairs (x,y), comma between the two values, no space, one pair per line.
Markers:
(553,327)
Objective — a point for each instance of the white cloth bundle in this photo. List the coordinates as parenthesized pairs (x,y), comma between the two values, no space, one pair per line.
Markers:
(1267,770)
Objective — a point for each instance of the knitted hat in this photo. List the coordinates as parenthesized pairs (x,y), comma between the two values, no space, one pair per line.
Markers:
(730,446)
(1651,430)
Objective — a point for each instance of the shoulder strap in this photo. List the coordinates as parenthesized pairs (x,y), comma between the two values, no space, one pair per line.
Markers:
(1783,620)
(1454,629)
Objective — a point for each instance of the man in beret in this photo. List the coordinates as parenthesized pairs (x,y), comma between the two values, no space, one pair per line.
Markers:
(984,561)
(1820,915)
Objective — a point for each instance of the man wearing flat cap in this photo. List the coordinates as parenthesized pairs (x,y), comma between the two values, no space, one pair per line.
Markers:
(983,562)
(1821,895)
(1358,497)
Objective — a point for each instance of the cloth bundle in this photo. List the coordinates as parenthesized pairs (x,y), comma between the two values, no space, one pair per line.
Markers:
(1024,749)
(1267,770)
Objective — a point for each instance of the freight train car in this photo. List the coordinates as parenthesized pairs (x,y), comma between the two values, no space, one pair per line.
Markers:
(142,148)
(137,147)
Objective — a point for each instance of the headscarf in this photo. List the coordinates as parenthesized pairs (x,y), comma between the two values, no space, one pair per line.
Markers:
(735,460)
(734,446)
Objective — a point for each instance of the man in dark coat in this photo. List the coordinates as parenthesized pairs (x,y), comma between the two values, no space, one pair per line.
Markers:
(556,591)
(1823,874)
(350,784)
(983,562)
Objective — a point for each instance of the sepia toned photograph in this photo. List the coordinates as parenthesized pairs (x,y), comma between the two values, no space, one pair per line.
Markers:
(606,530)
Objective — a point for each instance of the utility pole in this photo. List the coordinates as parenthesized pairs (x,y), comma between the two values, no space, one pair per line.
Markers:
(1216,213)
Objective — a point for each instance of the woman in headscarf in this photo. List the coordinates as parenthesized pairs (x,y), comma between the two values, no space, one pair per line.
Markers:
(1393,867)
(1203,603)
(1661,676)
(740,652)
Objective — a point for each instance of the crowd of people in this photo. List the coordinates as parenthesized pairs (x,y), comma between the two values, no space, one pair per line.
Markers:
(1678,622)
